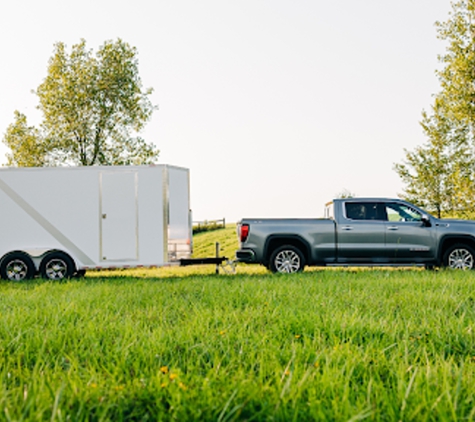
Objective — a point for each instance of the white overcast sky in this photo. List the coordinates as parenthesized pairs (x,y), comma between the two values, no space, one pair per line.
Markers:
(275,106)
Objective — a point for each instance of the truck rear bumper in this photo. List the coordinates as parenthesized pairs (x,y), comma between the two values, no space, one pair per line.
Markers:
(246,255)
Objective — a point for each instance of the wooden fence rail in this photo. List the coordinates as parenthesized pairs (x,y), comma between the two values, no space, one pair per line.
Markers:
(207,225)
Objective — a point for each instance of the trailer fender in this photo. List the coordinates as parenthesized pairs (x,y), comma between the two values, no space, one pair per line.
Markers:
(36,252)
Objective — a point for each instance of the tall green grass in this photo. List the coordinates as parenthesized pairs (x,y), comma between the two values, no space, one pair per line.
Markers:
(321,345)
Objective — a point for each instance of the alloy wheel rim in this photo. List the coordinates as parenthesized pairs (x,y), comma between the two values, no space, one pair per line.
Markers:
(17,270)
(56,269)
(287,262)
(461,259)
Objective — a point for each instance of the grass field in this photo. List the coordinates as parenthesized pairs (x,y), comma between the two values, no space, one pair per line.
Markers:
(185,344)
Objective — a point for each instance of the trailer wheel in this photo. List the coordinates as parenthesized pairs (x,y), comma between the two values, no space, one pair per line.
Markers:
(57,266)
(287,259)
(17,266)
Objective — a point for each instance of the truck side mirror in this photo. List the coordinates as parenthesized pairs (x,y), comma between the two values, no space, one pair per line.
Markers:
(425,220)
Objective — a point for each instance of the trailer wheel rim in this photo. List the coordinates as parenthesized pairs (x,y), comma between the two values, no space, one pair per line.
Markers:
(287,261)
(461,259)
(17,270)
(56,269)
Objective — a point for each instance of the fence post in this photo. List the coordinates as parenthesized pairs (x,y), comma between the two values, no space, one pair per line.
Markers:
(217,256)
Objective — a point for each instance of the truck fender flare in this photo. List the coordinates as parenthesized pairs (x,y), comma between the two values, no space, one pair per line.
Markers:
(449,239)
(291,239)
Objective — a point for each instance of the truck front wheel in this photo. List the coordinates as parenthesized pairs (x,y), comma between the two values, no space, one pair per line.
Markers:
(286,259)
(459,256)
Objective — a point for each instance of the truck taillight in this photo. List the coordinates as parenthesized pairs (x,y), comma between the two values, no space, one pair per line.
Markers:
(243,232)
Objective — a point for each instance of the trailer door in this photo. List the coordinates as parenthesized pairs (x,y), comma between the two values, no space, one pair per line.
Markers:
(179,219)
(119,223)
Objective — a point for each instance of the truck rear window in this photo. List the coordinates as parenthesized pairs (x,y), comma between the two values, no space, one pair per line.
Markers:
(364,211)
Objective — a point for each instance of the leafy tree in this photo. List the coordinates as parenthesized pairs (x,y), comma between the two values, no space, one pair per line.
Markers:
(440,175)
(345,194)
(93,107)
(431,171)
(25,143)
(457,77)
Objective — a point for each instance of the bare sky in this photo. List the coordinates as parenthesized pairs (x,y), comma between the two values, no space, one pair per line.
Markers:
(275,106)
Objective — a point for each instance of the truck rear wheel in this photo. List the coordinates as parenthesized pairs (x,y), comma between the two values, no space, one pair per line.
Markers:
(287,259)
(459,256)
(17,266)
(57,266)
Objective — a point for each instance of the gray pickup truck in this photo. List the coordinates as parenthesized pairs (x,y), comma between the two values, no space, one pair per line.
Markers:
(358,231)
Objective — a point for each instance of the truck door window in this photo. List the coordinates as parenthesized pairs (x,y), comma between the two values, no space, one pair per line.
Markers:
(401,212)
(363,211)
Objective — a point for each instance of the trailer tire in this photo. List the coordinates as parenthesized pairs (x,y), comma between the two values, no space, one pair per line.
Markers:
(287,259)
(17,266)
(57,266)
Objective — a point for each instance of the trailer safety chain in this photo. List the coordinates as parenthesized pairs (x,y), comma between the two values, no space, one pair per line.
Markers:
(228,267)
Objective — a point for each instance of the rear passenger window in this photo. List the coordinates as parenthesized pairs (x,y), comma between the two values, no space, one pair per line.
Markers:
(363,211)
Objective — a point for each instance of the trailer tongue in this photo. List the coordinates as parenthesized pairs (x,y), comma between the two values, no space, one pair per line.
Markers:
(202,261)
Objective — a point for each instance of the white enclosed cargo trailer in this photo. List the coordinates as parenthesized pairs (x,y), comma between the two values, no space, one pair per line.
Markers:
(61,221)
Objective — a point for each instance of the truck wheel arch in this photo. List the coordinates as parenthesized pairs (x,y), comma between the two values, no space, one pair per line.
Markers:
(459,256)
(276,241)
(449,241)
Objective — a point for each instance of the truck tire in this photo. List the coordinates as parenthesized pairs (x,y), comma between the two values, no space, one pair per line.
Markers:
(57,266)
(17,266)
(459,256)
(287,259)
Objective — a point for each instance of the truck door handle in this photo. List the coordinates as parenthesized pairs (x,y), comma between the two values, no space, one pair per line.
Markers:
(393,228)
(347,228)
